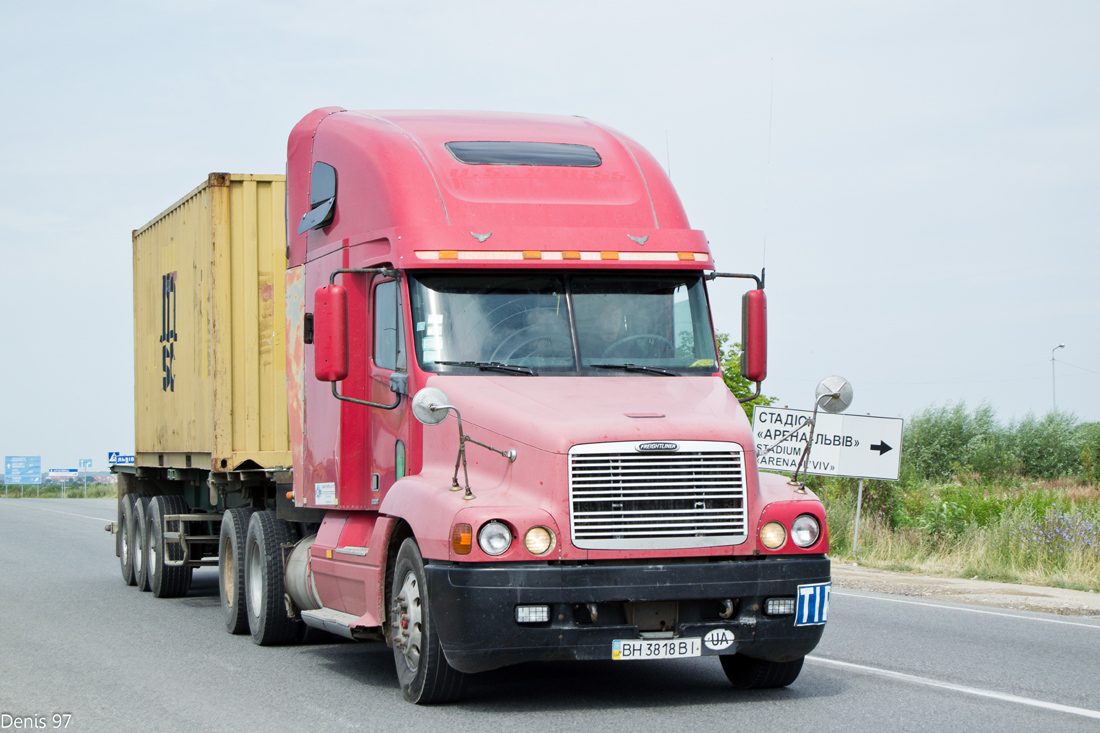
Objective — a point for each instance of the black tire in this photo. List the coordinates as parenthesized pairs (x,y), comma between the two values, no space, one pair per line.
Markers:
(231,544)
(263,580)
(425,676)
(140,550)
(166,581)
(759,674)
(127,508)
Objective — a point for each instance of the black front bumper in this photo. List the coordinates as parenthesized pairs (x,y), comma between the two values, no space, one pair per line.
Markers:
(473,607)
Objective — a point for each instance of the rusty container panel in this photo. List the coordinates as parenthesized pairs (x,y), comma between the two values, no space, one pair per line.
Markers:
(209,328)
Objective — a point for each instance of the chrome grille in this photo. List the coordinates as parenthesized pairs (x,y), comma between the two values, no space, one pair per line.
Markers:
(621,498)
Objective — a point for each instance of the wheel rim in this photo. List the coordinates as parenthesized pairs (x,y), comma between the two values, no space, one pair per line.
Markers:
(125,542)
(229,575)
(255,576)
(151,561)
(138,559)
(408,618)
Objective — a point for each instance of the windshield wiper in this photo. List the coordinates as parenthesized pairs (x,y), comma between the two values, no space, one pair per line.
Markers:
(635,368)
(495,366)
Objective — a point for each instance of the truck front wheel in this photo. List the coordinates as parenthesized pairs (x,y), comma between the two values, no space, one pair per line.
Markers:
(263,580)
(425,676)
(759,674)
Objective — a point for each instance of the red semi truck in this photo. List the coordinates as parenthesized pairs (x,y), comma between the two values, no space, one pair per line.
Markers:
(509,437)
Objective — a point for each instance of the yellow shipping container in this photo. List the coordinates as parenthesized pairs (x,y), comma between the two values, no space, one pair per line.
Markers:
(209,332)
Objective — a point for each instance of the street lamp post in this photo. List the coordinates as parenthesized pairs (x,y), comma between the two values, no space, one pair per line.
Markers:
(1053,393)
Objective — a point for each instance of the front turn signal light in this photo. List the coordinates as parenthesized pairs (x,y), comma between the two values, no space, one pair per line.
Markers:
(462,538)
(773,535)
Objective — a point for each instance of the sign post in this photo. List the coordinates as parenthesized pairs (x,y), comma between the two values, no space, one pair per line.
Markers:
(85,465)
(855,446)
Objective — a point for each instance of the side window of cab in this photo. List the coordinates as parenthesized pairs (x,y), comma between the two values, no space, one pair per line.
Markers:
(389,341)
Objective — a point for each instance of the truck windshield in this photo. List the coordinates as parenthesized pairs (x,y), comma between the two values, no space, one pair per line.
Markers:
(557,323)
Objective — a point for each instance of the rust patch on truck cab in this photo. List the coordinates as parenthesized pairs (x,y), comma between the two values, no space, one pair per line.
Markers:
(296,374)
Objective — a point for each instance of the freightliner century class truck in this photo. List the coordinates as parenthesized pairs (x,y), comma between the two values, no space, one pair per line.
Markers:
(452,385)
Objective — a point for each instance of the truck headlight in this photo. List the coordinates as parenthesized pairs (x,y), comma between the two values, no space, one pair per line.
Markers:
(773,535)
(494,538)
(805,530)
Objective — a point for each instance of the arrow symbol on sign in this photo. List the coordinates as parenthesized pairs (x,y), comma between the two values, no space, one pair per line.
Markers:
(881,447)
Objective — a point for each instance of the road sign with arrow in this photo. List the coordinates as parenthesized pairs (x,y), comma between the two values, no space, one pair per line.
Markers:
(842,445)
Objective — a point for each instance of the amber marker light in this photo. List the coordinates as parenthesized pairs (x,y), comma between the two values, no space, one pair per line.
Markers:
(773,535)
(462,538)
(538,540)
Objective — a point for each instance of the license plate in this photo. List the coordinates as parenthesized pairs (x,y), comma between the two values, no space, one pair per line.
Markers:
(812,608)
(625,650)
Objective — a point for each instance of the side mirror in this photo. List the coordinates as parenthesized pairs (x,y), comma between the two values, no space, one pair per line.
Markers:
(430,406)
(834,394)
(754,336)
(330,333)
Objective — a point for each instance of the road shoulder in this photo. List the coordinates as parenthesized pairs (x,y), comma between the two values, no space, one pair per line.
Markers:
(959,590)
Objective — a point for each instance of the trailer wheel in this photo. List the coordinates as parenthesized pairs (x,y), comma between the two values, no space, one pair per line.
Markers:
(166,581)
(425,676)
(263,580)
(231,546)
(140,547)
(759,674)
(128,535)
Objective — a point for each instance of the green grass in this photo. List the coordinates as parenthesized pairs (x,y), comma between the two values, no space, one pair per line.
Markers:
(53,491)
(1033,532)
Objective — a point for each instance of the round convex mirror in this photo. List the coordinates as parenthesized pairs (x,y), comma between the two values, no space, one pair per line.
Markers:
(834,394)
(430,405)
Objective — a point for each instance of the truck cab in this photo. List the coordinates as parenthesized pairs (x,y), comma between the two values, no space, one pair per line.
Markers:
(510,435)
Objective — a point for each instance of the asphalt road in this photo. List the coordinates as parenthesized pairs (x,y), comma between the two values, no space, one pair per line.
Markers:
(74,640)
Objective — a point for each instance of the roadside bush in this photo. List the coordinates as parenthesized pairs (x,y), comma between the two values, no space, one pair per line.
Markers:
(1089,435)
(947,442)
(939,437)
(1048,448)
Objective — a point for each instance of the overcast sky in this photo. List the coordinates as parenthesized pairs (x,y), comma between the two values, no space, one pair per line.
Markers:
(928,213)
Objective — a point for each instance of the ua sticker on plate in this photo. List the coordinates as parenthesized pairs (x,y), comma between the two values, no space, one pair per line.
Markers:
(813,604)
(718,639)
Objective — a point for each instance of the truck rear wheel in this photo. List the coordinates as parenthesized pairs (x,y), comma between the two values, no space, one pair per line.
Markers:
(263,580)
(128,535)
(166,581)
(231,546)
(140,546)
(759,674)
(425,676)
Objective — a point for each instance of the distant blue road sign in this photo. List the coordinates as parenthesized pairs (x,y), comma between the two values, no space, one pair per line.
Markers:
(117,459)
(84,464)
(22,469)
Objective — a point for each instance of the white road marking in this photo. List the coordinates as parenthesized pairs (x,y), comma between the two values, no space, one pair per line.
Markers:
(1083,712)
(58,511)
(970,610)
